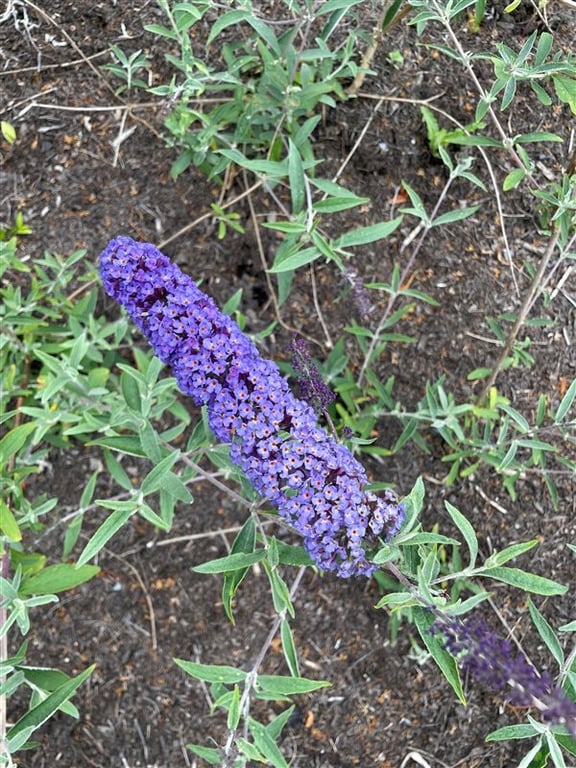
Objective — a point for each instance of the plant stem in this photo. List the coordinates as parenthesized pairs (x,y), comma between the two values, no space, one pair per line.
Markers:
(465,60)
(426,226)
(531,295)
(252,675)
(5,566)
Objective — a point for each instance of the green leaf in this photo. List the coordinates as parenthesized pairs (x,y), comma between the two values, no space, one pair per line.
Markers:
(566,403)
(231,562)
(266,744)
(280,591)
(29,562)
(365,235)
(7,131)
(14,440)
(275,727)
(146,511)
(121,443)
(287,227)
(466,529)
(109,527)
(46,708)
(295,260)
(509,553)
(335,190)
(568,742)
(212,673)
(565,88)
(158,29)
(391,12)
(117,470)
(570,627)
(479,373)
(414,503)
(336,5)
(508,458)
(275,170)
(293,554)
(289,648)
(88,491)
(528,582)
(250,751)
(150,442)
(426,537)
(539,445)
(71,535)
(230,19)
(432,128)
(234,713)
(57,578)
(278,685)
(543,48)
(459,609)
(555,751)
(44,677)
(457,215)
(476,141)
(154,479)
(8,525)
(537,136)
(520,420)
(460,6)
(546,633)
(210,754)
(510,732)
(335,204)
(174,487)
(508,94)
(296,178)
(445,661)
(265,33)
(244,542)
(513,179)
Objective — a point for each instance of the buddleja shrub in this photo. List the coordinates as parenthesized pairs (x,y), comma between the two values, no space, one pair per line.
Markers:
(250,100)
(70,376)
(273,445)
(59,389)
(321,491)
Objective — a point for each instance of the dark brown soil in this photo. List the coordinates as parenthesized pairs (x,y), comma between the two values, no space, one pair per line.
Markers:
(384,709)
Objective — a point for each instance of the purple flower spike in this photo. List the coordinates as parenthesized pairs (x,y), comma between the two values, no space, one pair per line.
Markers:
(316,483)
(492,662)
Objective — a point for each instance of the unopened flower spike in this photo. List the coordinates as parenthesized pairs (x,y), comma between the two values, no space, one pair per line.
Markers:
(317,485)
(492,662)
(311,386)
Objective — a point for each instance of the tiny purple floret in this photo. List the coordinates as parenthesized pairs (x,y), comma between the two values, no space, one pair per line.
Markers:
(317,485)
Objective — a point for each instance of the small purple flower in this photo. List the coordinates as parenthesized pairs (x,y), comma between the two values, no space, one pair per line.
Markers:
(316,483)
(492,661)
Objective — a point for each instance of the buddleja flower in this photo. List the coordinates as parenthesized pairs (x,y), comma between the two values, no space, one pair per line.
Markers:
(317,485)
(492,662)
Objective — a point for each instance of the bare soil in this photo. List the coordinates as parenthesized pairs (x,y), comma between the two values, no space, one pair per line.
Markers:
(82,177)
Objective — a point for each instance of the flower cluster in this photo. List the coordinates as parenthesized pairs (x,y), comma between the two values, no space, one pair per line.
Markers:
(492,662)
(317,485)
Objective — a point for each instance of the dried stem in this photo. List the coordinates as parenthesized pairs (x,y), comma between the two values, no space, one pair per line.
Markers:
(531,295)
(252,676)
(5,567)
